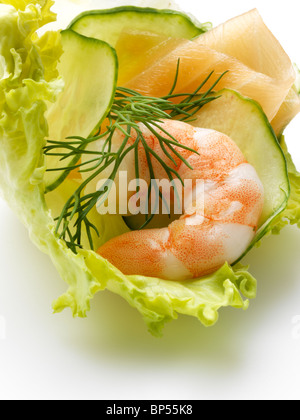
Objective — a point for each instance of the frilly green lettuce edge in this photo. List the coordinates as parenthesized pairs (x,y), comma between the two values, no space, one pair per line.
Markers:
(291,215)
(28,80)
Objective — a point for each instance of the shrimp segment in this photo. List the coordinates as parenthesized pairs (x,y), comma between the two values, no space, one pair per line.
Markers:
(204,237)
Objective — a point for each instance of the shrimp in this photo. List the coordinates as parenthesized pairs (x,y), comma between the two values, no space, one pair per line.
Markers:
(205,237)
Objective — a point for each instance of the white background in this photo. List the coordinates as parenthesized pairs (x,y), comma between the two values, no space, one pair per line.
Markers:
(110,355)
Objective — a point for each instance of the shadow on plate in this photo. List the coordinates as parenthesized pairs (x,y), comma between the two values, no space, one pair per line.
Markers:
(116,331)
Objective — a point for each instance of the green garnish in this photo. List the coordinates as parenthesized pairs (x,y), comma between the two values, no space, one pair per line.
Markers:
(129,108)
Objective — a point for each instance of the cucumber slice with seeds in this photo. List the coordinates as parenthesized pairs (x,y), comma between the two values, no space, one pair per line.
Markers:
(108,24)
(84,103)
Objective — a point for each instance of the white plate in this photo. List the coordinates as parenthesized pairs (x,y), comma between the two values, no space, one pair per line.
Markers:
(110,355)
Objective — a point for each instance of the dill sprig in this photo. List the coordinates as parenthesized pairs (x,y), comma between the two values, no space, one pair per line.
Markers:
(128,110)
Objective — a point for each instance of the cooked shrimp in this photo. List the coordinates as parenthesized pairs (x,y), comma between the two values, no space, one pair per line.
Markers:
(204,237)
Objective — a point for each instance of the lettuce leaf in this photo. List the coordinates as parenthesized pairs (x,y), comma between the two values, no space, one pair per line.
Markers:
(28,81)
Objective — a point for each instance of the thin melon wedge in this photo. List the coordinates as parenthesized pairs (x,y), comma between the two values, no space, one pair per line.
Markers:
(258,66)
(138,50)
(288,110)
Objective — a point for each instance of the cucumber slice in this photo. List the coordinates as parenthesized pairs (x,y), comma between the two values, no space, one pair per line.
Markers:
(107,25)
(84,102)
(244,121)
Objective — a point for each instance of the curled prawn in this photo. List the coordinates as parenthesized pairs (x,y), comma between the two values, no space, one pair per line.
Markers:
(204,237)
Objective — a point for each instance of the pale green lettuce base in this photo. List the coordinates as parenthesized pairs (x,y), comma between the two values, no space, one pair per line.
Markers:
(25,88)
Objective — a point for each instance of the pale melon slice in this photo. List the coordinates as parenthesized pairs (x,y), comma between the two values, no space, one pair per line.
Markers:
(258,66)
(288,110)
(138,50)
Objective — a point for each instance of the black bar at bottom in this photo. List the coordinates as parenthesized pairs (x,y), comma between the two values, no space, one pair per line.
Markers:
(141,409)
